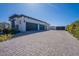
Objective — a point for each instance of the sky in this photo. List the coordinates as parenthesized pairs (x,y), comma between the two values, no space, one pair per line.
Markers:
(53,13)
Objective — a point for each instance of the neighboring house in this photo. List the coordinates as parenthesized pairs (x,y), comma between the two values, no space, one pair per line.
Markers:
(4,25)
(52,27)
(25,23)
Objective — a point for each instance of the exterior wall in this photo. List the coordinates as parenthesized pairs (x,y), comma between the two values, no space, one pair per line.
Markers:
(34,21)
(52,28)
(38,27)
(21,22)
(22,25)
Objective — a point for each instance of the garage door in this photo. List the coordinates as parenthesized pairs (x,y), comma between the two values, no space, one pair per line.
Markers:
(31,26)
(42,27)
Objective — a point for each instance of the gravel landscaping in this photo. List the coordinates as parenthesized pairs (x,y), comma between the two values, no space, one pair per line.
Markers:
(48,43)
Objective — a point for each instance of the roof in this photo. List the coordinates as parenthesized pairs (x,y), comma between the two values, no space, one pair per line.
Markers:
(15,15)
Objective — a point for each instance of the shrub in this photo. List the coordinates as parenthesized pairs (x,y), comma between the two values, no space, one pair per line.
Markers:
(5,37)
(7,34)
(74,28)
(12,31)
(70,28)
(5,31)
(76,33)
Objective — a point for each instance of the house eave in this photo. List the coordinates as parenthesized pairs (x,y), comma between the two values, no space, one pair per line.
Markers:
(15,15)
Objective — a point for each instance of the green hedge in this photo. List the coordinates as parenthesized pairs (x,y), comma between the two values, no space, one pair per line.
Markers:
(13,31)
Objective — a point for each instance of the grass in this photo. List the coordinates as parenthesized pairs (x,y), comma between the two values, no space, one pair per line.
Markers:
(5,37)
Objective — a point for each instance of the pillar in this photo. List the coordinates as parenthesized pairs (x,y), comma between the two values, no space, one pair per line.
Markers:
(38,27)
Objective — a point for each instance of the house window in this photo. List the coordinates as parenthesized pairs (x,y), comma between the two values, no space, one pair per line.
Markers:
(24,20)
(13,24)
(20,21)
(17,27)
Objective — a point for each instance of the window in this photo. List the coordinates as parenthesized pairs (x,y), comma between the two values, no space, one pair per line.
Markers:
(24,20)
(17,27)
(20,21)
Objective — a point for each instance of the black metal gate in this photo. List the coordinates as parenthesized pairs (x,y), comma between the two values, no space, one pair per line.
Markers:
(60,28)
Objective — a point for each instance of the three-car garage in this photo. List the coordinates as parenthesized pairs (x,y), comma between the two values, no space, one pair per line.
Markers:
(26,23)
(34,27)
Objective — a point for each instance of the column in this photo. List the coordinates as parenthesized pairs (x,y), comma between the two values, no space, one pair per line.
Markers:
(38,27)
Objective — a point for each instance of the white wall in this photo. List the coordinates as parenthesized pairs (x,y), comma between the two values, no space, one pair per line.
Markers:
(22,25)
(34,21)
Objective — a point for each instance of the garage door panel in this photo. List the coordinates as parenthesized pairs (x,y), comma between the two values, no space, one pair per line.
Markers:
(42,27)
(31,26)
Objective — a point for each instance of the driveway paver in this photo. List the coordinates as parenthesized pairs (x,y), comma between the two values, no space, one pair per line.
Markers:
(48,43)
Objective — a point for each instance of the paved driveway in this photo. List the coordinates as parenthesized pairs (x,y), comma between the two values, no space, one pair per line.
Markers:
(41,44)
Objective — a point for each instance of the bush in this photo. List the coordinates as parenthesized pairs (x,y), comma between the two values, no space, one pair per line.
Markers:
(13,31)
(74,29)
(5,31)
(7,34)
(10,31)
(76,33)
(5,37)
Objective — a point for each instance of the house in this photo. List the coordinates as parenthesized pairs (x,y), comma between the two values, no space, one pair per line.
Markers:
(4,25)
(25,23)
(52,27)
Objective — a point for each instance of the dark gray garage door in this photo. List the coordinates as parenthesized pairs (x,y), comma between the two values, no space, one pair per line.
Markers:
(31,26)
(42,27)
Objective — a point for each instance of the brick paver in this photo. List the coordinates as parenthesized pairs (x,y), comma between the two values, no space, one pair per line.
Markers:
(47,43)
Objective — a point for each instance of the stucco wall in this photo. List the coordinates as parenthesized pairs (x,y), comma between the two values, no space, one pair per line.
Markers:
(21,22)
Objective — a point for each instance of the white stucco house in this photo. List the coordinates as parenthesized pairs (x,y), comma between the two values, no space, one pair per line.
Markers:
(25,23)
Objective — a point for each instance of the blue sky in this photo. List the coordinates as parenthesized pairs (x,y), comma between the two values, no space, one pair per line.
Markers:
(54,14)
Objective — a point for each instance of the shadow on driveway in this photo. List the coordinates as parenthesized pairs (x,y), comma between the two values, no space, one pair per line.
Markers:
(26,33)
